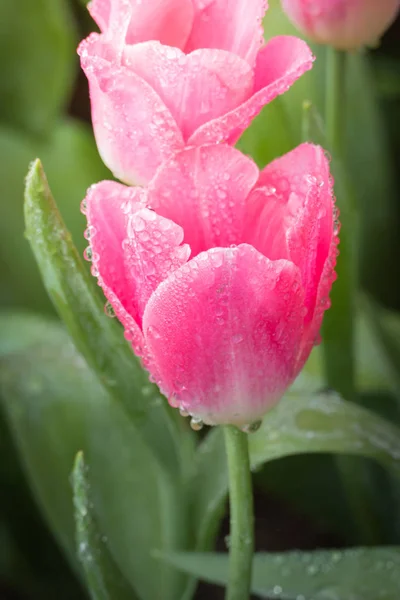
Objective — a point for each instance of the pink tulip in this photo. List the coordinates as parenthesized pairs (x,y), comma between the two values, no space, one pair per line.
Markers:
(166,74)
(344,24)
(220,274)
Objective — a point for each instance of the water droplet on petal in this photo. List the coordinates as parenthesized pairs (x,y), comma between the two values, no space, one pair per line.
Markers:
(184,413)
(196,424)
(237,338)
(88,254)
(251,427)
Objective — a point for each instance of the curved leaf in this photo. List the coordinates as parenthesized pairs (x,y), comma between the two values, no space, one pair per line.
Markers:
(356,574)
(299,424)
(56,407)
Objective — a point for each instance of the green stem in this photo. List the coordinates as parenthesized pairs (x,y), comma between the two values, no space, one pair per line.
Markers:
(241,545)
(335,99)
(338,326)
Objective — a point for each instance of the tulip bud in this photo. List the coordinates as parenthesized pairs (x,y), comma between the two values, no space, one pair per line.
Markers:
(344,24)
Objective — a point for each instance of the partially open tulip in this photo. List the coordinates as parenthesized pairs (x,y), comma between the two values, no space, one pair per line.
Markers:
(220,274)
(165,74)
(344,24)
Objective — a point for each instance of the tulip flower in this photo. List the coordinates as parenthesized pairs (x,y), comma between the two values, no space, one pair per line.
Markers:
(219,274)
(343,24)
(165,74)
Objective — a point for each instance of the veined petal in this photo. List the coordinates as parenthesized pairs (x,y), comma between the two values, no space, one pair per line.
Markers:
(291,215)
(233,25)
(152,250)
(134,130)
(100,12)
(279,64)
(197,87)
(133,250)
(224,331)
(204,189)
(107,207)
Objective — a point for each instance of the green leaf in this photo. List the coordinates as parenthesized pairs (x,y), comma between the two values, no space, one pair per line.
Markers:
(38,60)
(97,337)
(356,574)
(56,407)
(103,578)
(299,424)
(73,164)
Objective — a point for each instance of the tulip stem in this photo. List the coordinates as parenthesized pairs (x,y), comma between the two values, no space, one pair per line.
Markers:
(335,99)
(338,326)
(241,539)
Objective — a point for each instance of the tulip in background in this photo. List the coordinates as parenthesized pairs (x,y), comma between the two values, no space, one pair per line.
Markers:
(343,24)
(220,274)
(167,74)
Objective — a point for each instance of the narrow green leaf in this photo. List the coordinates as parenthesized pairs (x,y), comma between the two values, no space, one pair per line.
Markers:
(356,574)
(103,578)
(72,165)
(98,338)
(56,407)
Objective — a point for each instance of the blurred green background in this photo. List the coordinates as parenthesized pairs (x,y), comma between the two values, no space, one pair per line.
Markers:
(44,112)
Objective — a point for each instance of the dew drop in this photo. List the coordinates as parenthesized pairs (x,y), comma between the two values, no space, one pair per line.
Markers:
(251,427)
(154,332)
(312,570)
(88,254)
(109,310)
(277,590)
(196,424)
(83,207)
(237,338)
(184,413)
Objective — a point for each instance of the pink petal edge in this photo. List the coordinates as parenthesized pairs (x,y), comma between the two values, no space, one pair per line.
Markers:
(279,64)
(134,130)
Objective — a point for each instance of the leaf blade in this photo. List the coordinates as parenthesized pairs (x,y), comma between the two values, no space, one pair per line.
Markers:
(103,578)
(98,338)
(356,574)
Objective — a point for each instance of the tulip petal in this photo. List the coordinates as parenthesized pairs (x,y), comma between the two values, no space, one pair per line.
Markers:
(169,21)
(134,130)
(133,248)
(196,88)
(224,331)
(290,215)
(151,252)
(233,25)
(107,206)
(100,12)
(279,64)
(204,189)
